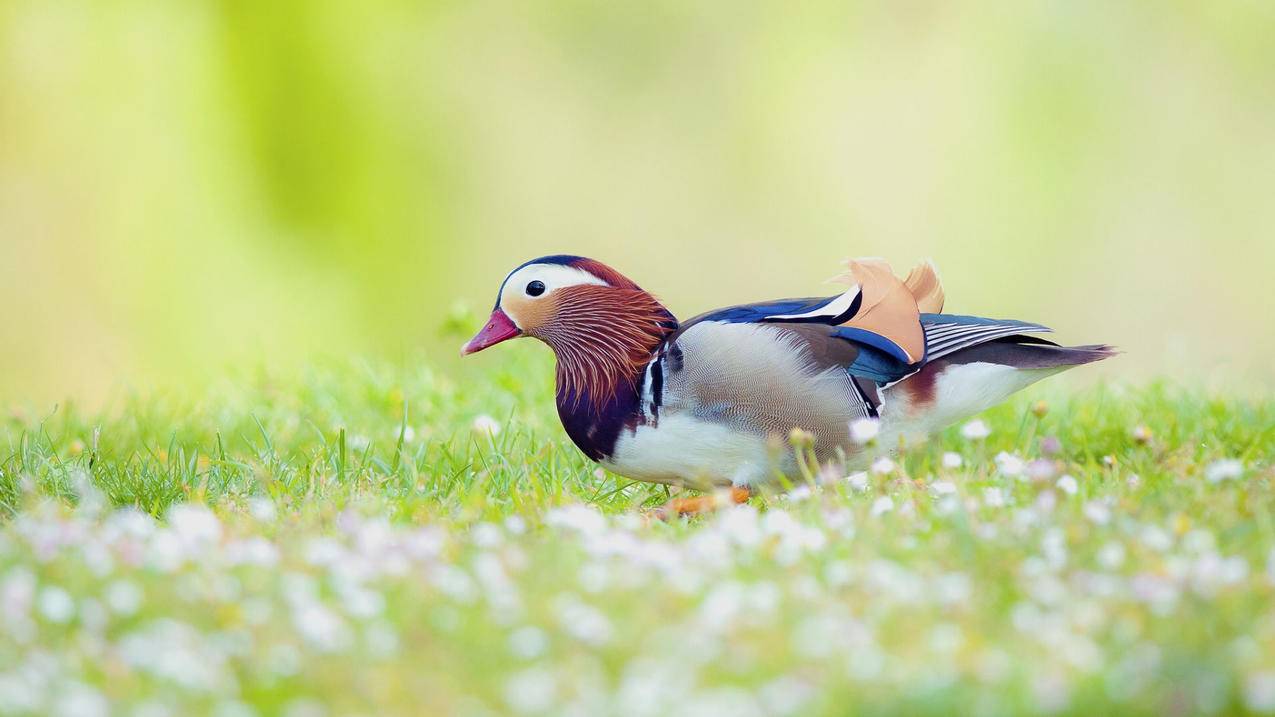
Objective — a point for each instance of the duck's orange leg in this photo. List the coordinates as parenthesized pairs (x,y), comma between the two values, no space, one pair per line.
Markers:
(706,503)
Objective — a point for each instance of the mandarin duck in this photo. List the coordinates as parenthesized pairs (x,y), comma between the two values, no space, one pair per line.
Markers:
(711,401)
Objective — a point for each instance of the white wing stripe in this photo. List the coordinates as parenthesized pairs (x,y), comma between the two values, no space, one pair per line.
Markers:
(836,307)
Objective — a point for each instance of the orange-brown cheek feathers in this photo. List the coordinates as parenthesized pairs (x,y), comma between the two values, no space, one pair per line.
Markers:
(602,335)
(530,314)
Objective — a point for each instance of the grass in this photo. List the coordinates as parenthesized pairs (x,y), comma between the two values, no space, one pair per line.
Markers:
(353,541)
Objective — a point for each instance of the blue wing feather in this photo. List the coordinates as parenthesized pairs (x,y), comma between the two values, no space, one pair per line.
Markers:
(757,313)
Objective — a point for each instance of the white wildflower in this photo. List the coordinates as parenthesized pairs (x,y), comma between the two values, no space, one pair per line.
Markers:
(528,642)
(594,577)
(946,638)
(1068,485)
(799,494)
(810,637)
(943,487)
(97,557)
(454,582)
(953,588)
(531,691)
(1052,692)
(785,696)
(741,525)
(1040,470)
(486,535)
(864,430)
(17,592)
(1228,469)
(1111,555)
(194,525)
(486,425)
(123,597)
(1098,511)
(130,522)
(1046,501)
(262,509)
(1009,464)
(1199,541)
(721,606)
(321,627)
(976,430)
(952,461)
(993,497)
(865,664)
(253,551)
(177,652)
(858,481)
(1156,538)
(580,518)
(1160,592)
(56,605)
(360,602)
(80,700)
(882,466)
(881,505)
(324,551)
(584,622)
(23,690)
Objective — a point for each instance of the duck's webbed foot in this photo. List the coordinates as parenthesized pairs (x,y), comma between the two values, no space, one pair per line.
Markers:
(699,504)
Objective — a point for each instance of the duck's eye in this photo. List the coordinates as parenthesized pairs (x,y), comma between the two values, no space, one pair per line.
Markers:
(535,288)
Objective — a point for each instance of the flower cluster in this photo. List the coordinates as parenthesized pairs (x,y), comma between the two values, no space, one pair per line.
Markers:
(977,578)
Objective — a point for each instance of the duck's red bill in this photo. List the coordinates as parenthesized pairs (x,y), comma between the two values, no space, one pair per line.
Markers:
(499,328)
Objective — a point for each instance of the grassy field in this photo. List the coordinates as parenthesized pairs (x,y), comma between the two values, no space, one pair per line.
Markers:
(372,539)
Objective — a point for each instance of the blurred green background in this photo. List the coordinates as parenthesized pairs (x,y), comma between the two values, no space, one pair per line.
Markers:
(184,185)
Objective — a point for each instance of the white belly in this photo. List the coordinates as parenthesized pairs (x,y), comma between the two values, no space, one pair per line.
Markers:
(684,449)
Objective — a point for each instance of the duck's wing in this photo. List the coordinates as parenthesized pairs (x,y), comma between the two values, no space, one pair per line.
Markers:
(879,315)
(948,333)
(765,377)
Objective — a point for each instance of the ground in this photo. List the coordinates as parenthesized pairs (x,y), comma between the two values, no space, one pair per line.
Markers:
(375,539)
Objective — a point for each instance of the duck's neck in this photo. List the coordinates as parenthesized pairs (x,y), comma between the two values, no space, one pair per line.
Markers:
(603,342)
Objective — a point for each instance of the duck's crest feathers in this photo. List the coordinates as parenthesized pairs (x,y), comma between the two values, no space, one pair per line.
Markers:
(923,282)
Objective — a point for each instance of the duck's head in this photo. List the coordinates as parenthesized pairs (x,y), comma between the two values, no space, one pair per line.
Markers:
(598,322)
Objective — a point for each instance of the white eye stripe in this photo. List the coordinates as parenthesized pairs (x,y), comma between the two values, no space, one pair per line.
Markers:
(554,276)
